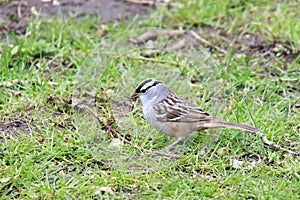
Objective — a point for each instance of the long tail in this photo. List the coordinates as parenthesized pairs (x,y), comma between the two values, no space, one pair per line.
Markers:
(219,123)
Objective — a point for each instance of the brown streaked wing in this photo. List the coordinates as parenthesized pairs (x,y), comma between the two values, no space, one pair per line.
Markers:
(175,109)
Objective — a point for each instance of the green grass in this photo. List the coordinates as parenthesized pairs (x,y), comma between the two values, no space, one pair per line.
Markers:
(52,150)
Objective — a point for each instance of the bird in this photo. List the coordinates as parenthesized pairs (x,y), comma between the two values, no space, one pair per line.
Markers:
(173,115)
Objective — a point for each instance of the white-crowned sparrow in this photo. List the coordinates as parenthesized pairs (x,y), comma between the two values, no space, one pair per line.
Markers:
(174,116)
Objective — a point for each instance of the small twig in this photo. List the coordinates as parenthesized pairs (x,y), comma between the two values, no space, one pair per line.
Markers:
(140,58)
(152,52)
(261,55)
(149,35)
(107,127)
(287,79)
(204,41)
(123,81)
(152,34)
(113,131)
(150,3)
(20,8)
(276,146)
(177,46)
(19,5)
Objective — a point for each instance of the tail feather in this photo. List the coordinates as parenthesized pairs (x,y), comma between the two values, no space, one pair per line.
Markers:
(219,123)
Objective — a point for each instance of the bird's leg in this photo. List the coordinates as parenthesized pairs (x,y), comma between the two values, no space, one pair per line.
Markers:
(178,140)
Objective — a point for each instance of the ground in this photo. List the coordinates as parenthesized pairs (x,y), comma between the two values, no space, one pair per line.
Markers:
(68,128)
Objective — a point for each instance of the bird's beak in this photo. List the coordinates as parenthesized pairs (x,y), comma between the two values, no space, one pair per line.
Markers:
(135,96)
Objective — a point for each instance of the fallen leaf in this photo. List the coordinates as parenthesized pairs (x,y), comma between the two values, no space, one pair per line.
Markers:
(6,84)
(236,164)
(115,143)
(204,150)
(223,151)
(15,50)
(5,179)
(34,11)
(32,196)
(16,93)
(100,190)
(103,30)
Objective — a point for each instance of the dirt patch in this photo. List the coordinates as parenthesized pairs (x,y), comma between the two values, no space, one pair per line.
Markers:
(249,43)
(15,14)
(13,128)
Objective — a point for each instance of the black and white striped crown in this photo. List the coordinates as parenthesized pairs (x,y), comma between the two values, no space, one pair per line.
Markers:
(146,84)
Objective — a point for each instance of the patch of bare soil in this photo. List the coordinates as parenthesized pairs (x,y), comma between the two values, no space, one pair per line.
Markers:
(15,14)
(12,128)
